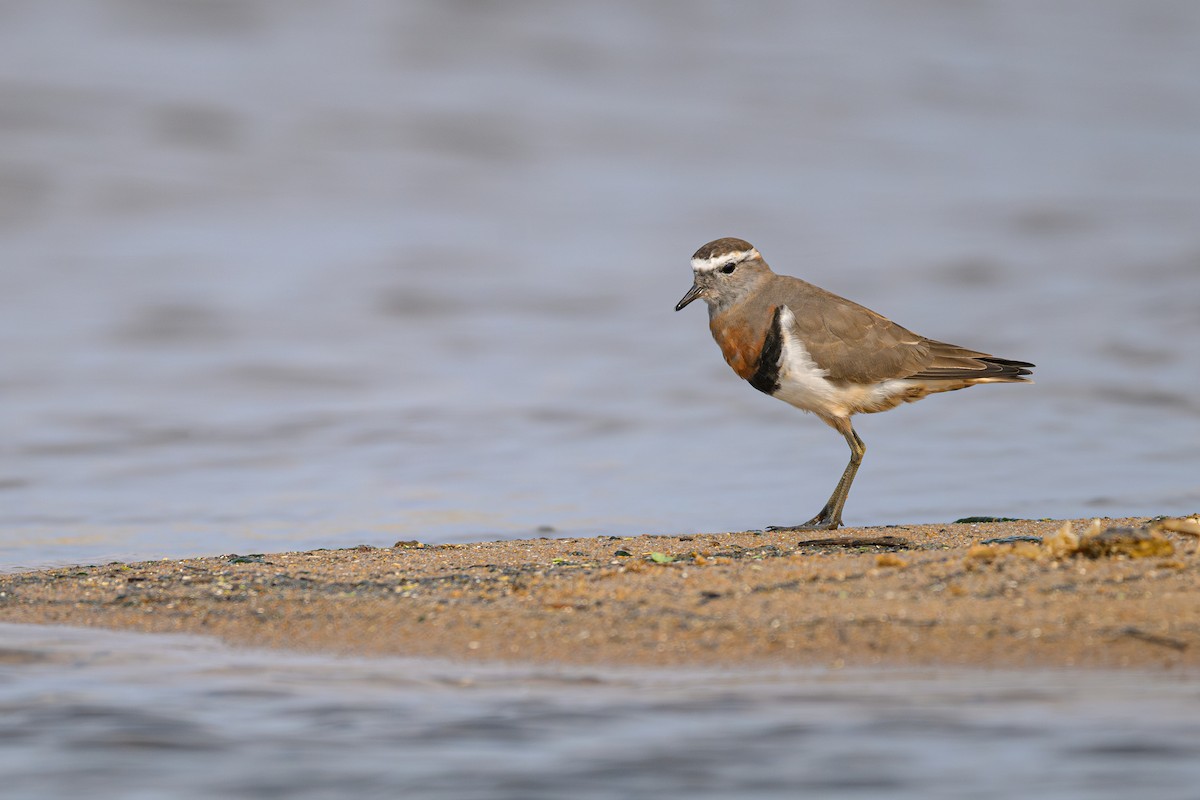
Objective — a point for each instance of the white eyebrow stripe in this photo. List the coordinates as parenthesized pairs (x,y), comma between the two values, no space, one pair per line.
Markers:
(716,262)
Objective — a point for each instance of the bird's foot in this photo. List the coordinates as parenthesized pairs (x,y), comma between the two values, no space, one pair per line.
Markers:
(821,522)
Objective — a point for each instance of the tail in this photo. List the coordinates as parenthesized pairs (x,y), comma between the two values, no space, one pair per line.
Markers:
(948,362)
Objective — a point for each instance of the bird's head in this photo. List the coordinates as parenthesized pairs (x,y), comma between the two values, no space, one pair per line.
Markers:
(724,270)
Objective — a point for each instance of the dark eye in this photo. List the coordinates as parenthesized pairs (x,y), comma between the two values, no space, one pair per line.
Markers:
(728,269)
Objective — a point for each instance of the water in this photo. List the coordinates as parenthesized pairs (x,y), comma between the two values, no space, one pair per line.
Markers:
(288,275)
(275,277)
(127,715)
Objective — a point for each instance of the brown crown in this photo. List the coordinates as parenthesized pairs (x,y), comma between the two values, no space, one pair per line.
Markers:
(720,247)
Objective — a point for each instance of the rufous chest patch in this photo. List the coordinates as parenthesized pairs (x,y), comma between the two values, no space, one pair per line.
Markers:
(741,344)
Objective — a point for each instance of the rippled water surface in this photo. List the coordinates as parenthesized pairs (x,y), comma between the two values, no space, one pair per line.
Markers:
(126,715)
(281,275)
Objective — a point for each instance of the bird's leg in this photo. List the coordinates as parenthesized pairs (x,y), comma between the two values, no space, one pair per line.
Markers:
(830,517)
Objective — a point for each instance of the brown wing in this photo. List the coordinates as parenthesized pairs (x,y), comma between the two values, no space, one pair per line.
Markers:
(854,344)
(850,342)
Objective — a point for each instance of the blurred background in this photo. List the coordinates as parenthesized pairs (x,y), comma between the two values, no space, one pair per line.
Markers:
(279,275)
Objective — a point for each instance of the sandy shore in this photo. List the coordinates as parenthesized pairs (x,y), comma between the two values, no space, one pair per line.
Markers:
(919,594)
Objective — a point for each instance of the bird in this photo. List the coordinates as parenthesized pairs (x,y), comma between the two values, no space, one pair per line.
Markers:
(825,354)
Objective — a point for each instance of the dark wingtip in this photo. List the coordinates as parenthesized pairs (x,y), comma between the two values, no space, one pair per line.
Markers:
(1010,368)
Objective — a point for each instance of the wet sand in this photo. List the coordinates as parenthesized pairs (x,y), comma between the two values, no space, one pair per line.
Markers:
(900,595)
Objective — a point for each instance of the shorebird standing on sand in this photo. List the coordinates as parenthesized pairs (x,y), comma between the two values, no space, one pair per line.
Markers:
(823,353)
